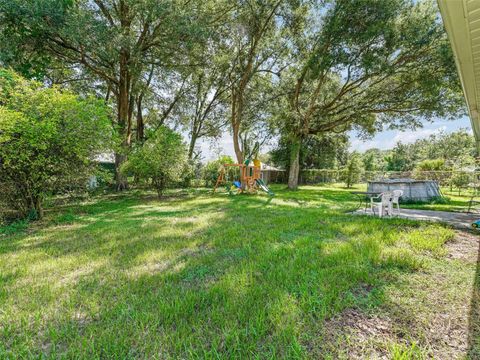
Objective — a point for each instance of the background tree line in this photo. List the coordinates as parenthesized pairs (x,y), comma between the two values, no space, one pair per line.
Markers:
(440,152)
(305,72)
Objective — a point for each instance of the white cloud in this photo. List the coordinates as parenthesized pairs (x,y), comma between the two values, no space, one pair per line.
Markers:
(388,139)
(362,145)
(408,137)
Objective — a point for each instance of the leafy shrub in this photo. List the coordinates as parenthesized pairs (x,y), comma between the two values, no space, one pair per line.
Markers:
(162,160)
(352,171)
(434,200)
(192,174)
(429,169)
(460,180)
(48,139)
(316,176)
(440,200)
(104,176)
(431,165)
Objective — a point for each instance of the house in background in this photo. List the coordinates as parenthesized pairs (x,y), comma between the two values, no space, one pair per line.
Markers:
(107,165)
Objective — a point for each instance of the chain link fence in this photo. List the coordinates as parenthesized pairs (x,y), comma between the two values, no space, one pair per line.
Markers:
(451,179)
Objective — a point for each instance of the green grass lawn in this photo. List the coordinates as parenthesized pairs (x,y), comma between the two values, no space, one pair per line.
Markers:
(197,275)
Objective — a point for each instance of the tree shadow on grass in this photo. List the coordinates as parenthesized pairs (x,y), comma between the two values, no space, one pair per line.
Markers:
(124,212)
(231,301)
(246,279)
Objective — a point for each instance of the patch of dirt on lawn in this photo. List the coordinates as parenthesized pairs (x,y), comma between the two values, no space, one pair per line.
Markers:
(356,335)
(464,246)
(447,332)
(448,335)
(431,309)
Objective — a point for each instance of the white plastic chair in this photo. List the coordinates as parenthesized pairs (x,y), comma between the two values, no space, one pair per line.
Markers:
(384,206)
(396,198)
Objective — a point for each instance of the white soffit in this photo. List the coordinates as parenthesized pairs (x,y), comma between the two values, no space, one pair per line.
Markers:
(462,22)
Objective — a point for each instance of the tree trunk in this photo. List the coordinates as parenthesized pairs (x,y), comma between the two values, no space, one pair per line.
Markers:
(235,122)
(294,163)
(159,184)
(236,143)
(191,146)
(140,123)
(120,179)
(123,117)
(38,208)
(140,130)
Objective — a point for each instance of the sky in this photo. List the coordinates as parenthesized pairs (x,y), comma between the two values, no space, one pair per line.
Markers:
(387,139)
(384,140)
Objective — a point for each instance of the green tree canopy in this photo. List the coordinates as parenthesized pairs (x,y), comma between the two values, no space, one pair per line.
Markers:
(211,170)
(121,45)
(328,151)
(456,150)
(366,65)
(374,160)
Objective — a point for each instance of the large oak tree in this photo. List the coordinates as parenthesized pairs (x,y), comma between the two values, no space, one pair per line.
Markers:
(365,65)
(116,41)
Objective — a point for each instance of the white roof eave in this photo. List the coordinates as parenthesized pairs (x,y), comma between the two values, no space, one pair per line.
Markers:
(462,23)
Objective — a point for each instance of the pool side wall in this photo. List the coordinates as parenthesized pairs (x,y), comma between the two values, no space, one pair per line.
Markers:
(423,190)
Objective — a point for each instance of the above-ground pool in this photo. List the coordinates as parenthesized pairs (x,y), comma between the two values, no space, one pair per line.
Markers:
(417,190)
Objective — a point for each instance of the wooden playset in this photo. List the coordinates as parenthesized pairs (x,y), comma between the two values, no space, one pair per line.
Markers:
(249,180)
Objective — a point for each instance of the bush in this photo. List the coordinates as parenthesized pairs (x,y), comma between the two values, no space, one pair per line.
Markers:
(317,176)
(460,180)
(436,200)
(352,172)
(193,174)
(431,165)
(48,138)
(162,160)
(430,170)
